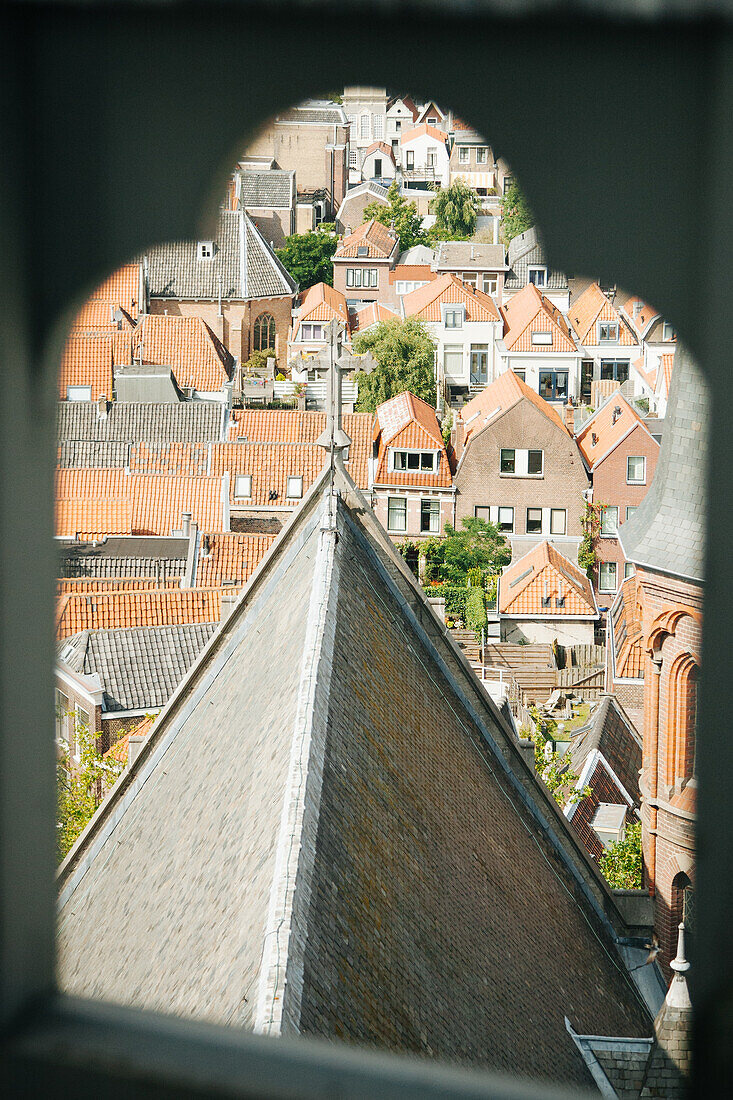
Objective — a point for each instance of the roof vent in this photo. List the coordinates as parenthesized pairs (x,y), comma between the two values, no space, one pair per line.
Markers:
(593,439)
(205,250)
(362,250)
(473,253)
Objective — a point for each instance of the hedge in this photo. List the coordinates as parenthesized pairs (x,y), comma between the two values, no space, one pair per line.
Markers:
(476,610)
(455,599)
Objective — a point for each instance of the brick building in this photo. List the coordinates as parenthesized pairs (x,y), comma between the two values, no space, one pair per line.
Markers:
(543,597)
(362,264)
(520,467)
(364,847)
(665,540)
(625,651)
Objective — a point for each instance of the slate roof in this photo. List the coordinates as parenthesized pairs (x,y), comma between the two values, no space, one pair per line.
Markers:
(469,256)
(611,733)
(323,113)
(144,422)
(157,558)
(91,452)
(543,573)
(140,668)
(526,249)
(273,189)
(429,835)
(667,531)
(243,266)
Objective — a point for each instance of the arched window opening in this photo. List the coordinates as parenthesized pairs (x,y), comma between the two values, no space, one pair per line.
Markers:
(264,332)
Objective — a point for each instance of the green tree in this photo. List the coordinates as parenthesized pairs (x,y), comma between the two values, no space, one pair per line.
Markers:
(258,360)
(516,216)
(82,782)
(621,863)
(401,211)
(308,256)
(477,544)
(555,771)
(590,521)
(456,209)
(405,352)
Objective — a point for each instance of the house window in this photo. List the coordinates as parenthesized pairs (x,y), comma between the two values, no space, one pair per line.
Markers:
(521,375)
(378,168)
(668,331)
(410,159)
(464,154)
(630,509)
(607,332)
(378,125)
(508,183)
(636,470)
(490,285)
(426,461)
(205,250)
(482,511)
(534,462)
(366,277)
(78,393)
(82,726)
(430,159)
(353,158)
(264,332)
(432,120)
(430,516)
(362,251)
(607,576)
(469,277)
(507,463)
(243,486)
(453,360)
(629,569)
(396,513)
(481,156)
(609,520)
(505,520)
(453,318)
(309,331)
(538,276)
(294,488)
(62,716)
(615,370)
(364,126)
(558,521)
(479,364)
(534,521)
(542,338)
(553,385)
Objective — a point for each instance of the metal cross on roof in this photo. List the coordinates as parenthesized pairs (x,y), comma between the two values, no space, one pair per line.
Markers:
(335,362)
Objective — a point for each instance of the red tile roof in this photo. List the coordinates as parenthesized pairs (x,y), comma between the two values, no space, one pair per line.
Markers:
(146,607)
(373,236)
(380,147)
(81,585)
(269,465)
(528,312)
(231,557)
(120,749)
(666,366)
(322,303)
(291,426)
(424,129)
(627,638)
(87,360)
(545,573)
(501,395)
(122,289)
(603,431)
(593,306)
(448,289)
(407,422)
(187,345)
(372,314)
(639,314)
(412,273)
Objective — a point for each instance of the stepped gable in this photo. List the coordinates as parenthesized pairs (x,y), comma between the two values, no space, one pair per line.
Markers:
(331,831)
(667,532)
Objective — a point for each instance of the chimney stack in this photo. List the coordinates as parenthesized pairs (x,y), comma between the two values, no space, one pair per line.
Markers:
(570,417)
(186,524)
(134,743)
(102,407)
(228,601)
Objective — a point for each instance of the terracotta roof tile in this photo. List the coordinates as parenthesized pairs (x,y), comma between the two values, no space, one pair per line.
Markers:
(322,303)
(407,422)
(666,366)
(187,345)
(412,272)
(122,289)
(372,314)
(82,585)
(448,289)
(528,312)
(603,431)
(269,465)
(380,147)
(639,315)
(593,306)
(501,395)
(119,750)
(231,557)
(373,236)
(423,130)
(87,360)
(152,607)
(627,637)
(544,573)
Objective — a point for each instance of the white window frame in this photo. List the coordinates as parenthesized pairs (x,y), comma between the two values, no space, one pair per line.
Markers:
(610,566)
(242,482)
(421,453)
(353,158)
(205,250)
(629,569)
(481,156)
(410,160)
(606,532)
(78,724)
(78,393)
(630,509)
(490,285)
(539,271)
(559,512)
(611,328)
(457,315)
(294,481)
(464,154)
(542,338)
(636,480)
(669,332)
(526,522)
(390,526)
(433,528)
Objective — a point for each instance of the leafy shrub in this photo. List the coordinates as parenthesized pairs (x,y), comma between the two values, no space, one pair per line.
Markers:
(476,609)
(621,864)
(455,599)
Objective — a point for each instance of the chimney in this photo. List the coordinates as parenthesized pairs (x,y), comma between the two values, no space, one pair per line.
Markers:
(102,407)
(570,417)
(186,524)
(459,436)
(228,601)
(473,253)
(188,578)
(134,743)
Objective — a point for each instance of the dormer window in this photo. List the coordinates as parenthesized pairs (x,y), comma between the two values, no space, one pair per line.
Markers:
(362,250)
(542,338)
(205,250)
(294,490)
(453,316)
(78,393)
(243,486)
(537,276)
(424,461)
(309,331)
(668,331)
(607,332)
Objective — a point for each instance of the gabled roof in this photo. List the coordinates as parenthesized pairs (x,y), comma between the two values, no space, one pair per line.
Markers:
(500,396)
(468,255)
(373,236)
(611,733)
(591,307)
(272,189)
(374,190)
(380,147)
(370,315)
(321,303)
(334,677)
(423,130)
(408,102)
(407,421)
(526,250)
(187,344)
(448,289)
(604,431)
(139,667)
(664,372)
(639,315)
(428,108)
(147,607)
(528,312)
(87,360)
(243,266)
(269,465)
(230,558)
(544,574)
(626,633)
(133,422)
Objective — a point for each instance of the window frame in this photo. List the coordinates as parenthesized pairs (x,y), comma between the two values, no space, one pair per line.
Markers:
(433,508)
(609,338)
(87,389)
(608,565)
(395,500)
(636,480)
(293,478)
(239,478)
(453,312)
(605,534)
(420,454)
(538,531)
(493,289)
(482,156)
(557,392)
(556,512)
(537,270)
(464,154)
(508,451)
(505,528)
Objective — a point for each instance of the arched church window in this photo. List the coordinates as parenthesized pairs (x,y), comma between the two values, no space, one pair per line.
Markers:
(264,332)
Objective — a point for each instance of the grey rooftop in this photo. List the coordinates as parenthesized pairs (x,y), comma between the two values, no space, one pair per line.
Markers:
(270,189)
(524,250)
(469,255)
(144,422)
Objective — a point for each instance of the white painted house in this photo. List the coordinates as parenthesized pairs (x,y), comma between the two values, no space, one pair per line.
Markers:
(424,156)
(539,346)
